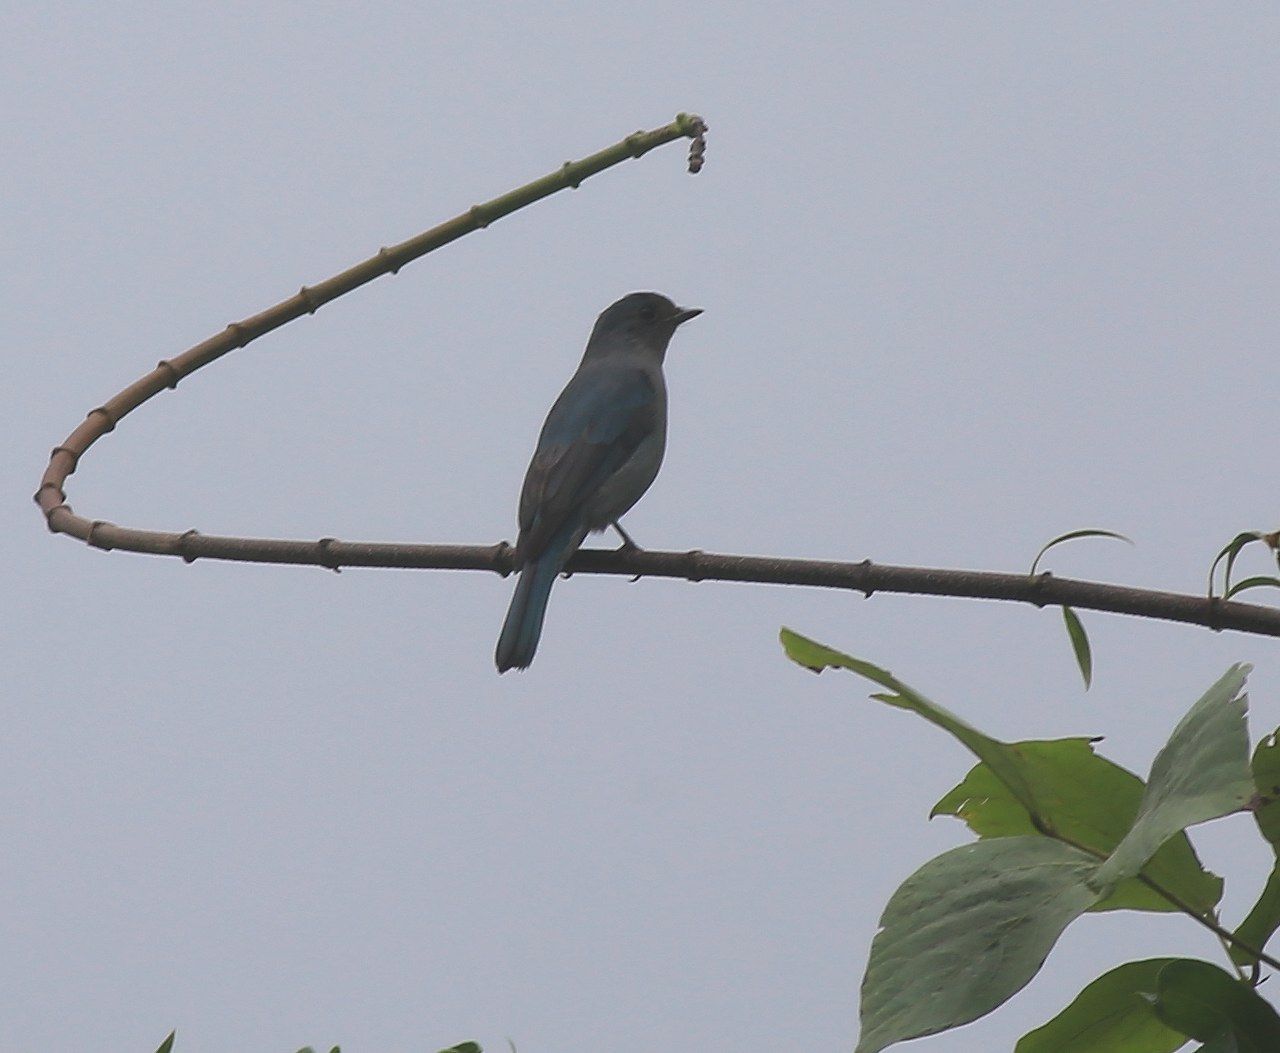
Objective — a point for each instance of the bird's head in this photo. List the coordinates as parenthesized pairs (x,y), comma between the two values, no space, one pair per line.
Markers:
(645,318)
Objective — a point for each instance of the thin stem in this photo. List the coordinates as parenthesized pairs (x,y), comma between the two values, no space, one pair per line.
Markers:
(1225,936)
(1210,923)
(865,577)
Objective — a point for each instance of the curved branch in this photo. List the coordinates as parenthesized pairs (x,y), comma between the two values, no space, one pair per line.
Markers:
(51,495)
(866,577)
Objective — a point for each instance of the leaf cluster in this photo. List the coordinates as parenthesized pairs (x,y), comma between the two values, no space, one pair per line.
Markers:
(1063,831)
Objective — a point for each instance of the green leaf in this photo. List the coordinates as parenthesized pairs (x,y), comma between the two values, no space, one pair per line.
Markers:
(1205,1003)
(167,1045)
(463,1047)
(1075,628)
(938,961)
(967,931)
(1229,552)
(1266,782)
(1264,917)
(1201,773)
(1251,583)
(1113,1014)
(1223,1042)
(995,754)
(1261,922)
(1072,536)
(1090,802)
(1079,644)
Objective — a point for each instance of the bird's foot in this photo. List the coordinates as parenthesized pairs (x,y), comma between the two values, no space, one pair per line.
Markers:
(628,545)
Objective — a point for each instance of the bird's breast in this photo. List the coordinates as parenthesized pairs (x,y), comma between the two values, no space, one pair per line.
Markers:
(628,484)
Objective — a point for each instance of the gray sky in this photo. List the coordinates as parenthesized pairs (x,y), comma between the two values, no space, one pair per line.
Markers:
(973,276)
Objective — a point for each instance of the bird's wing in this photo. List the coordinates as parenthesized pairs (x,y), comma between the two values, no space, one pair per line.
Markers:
(594,427)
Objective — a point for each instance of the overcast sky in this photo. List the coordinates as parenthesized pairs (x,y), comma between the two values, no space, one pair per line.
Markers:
(973,276)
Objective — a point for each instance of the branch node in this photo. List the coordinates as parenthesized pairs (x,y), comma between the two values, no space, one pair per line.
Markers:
(696,568)
(504,558)
(635,144)
(864,569)
(1213,621)
(566,172)
(691,124)
(172,370)
(48,485)
(73,454)
(107,415)
(393,264)
(91,538)
(327,558)
(49,516)
(1039,583)
(183,538)
(313,305)
(239,333)
(477,214)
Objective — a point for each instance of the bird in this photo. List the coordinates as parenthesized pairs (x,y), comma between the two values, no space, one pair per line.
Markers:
(599,451)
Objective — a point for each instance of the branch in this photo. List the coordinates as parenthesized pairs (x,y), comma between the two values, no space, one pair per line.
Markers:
(1228,939)
(866,577)
(1042,590)
(51,495)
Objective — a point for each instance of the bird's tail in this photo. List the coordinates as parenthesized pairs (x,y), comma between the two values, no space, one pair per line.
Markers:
(519,638)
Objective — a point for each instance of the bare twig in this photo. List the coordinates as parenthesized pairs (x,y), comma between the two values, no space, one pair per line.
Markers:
(51,496)
(866,577)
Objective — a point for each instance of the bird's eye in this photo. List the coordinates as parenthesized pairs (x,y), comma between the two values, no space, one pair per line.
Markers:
(648,313)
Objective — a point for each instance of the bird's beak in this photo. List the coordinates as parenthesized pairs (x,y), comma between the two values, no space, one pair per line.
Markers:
(683,314)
